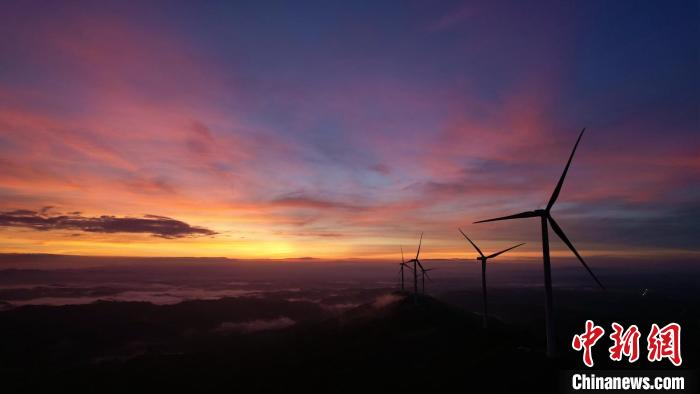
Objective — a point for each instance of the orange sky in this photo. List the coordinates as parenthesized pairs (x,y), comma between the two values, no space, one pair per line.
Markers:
(253,141)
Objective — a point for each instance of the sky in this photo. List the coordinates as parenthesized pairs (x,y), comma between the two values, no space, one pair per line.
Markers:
(336,129)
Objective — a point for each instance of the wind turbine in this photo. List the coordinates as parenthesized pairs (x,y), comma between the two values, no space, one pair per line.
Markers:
(483,270)
(424,274)
(403,264)
(545,218)
(416,265)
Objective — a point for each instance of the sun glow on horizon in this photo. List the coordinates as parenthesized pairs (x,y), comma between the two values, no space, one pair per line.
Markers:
(198,133)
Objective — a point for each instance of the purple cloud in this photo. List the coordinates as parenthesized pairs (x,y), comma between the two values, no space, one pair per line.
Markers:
(157,226)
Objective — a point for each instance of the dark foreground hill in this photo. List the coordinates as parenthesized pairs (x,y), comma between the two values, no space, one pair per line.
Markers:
(394,344)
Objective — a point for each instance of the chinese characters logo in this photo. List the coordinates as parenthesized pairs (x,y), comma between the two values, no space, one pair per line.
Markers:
(662,343)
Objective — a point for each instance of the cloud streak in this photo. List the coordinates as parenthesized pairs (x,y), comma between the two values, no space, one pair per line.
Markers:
(157,226)
(256,325)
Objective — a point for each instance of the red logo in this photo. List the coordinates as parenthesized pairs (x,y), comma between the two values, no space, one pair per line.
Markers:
(586,341)
(626,343)
(661,343)
(665,343)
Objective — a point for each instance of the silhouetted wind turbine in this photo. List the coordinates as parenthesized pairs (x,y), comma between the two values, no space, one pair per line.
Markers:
(546,217)
(483,270)
(424,274)
(416,265)
(402,264)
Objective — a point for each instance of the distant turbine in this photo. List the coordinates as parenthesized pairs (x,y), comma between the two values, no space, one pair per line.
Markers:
(403,264)
(416,265)
(545,216)
(424,274)
(483,270)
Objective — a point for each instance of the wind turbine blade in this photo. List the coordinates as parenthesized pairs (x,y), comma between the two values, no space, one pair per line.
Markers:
(427,276)
(521,215)
(419,244)
(557,189)
(504,250)
(568,243)
(420,265)
(402,255)
(470,241)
